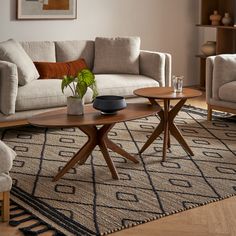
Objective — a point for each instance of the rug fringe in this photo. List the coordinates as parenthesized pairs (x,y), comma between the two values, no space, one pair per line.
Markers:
(29,216)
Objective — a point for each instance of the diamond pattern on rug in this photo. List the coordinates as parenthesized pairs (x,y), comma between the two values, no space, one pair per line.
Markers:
(92,203)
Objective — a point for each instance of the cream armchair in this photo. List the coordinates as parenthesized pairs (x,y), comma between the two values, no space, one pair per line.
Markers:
(7,155)
(221,83)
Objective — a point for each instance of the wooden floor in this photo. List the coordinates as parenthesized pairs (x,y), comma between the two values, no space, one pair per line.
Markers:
(215,219)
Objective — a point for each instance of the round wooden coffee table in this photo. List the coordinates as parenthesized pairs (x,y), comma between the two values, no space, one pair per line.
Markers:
(166,115)
(87,123)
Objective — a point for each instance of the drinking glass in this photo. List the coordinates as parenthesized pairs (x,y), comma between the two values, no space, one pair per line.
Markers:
(177,83)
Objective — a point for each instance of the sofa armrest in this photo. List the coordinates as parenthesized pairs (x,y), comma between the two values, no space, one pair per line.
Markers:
(8,87)
(209,77)
(157,66)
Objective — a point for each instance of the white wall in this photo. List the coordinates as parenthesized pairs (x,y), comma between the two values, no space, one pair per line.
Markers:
(163,25)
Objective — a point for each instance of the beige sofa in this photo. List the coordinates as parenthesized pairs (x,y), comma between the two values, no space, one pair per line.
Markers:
(221,83)
(42,95)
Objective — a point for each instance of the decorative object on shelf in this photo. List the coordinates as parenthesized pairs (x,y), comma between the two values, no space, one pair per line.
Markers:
(215,18)
(78,85)
(109,104)
(46,9)
(209,48)
(226,20)
(225,35)
(177,83)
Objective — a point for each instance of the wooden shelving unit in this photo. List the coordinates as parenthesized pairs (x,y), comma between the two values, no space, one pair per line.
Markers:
(225,35)
(218,27)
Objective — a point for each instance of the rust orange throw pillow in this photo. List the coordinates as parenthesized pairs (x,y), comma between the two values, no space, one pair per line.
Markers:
(56,70)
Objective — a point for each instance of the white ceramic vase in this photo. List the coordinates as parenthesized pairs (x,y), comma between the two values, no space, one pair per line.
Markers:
(75,106)
(226,19)
(209,48)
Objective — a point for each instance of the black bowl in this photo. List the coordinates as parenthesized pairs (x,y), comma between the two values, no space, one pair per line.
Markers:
(109,104)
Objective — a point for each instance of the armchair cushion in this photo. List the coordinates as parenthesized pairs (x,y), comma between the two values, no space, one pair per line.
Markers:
(117,55)
(224,71)
(7,155)
(8,87)
(227,92)
(13,52)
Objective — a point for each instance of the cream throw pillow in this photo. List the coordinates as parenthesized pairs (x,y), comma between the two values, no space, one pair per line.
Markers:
(13,52)
(117,55)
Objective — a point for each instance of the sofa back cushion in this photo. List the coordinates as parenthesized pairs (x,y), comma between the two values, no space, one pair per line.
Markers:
(117,55)
(40,51)
(56,70)
(13,52)
(73,50)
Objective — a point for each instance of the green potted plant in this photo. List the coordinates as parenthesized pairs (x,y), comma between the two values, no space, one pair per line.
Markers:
(78,86)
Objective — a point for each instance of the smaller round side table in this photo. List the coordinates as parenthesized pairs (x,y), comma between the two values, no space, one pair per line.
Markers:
(166,115)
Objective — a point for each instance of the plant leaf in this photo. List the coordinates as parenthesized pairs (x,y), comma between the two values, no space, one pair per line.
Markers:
(86,79)
(86,76)
(81,88)
(94,89)
(66,81)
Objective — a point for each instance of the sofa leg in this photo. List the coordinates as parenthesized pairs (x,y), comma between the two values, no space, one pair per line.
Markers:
(209,112)
(6,207)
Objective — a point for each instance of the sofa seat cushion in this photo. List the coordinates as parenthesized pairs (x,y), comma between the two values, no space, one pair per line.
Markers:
(227,92)
(41,94)
(122,84)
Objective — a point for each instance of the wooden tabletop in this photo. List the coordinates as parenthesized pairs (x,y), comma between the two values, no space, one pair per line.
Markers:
(166,93)
(59,118)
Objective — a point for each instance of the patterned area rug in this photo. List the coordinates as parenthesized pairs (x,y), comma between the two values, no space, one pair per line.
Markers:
(86,201)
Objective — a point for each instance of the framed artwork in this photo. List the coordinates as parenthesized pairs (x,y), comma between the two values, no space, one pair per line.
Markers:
(46,9)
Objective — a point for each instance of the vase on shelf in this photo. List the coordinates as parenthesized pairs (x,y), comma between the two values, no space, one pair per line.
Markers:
(226,20)
(209,48)
(215,18)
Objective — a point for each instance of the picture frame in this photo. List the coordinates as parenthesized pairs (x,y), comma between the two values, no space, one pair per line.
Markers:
(46,9)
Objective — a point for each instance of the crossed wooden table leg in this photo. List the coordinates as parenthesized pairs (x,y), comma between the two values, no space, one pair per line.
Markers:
(167,125)
(96,137)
